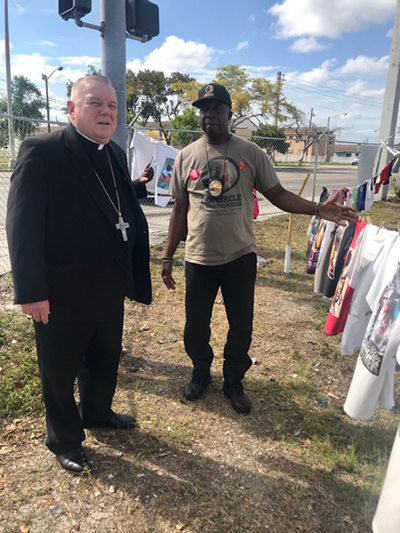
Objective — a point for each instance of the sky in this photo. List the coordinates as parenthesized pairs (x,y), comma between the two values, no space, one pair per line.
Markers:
(333,55)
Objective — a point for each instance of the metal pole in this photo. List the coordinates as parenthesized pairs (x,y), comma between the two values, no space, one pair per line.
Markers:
(327,140)
(46,81)
(390,108)
(315,167)
(11,137)
(113,59)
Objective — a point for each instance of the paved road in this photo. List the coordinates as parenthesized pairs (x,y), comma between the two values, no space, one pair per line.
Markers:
(292,179)
(158,218)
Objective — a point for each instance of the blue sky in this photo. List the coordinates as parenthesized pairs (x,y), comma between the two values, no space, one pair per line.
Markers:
(333,55)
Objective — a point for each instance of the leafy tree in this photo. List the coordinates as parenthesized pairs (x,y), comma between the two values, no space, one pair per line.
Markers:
(255,97)
(278,144)
(153,96)
(27,102)
(233,77)
(189,120)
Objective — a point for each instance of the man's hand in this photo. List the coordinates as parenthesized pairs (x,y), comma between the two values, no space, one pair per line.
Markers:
(166,275)
(39,311)
(331,210)
(147,174)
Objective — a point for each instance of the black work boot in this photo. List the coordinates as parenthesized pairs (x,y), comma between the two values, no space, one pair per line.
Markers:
(195,388)
(239,399)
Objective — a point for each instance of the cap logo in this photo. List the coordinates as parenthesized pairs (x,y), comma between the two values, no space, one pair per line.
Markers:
(209,90)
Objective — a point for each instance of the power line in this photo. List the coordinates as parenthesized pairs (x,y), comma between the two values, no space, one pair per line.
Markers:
(350,99)
(323,87)
(331,92)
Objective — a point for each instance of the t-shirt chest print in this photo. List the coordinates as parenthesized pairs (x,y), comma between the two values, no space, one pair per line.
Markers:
(218,177)
(380,326)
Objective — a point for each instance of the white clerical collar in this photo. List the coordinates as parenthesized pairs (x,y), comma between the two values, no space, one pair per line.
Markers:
(99,147)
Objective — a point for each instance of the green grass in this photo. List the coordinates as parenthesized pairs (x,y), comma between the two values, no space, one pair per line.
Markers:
(316,465)
(20,392)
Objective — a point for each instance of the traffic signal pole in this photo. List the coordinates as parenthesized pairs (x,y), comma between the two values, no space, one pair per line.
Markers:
(390,108)
(113,58)
(142,25)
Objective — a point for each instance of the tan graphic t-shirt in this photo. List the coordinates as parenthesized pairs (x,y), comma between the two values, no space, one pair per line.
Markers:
(218,182)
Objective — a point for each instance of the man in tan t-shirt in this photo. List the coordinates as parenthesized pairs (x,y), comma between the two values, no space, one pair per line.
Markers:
(212,183)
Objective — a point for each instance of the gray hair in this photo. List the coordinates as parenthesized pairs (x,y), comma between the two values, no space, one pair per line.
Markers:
(83,83)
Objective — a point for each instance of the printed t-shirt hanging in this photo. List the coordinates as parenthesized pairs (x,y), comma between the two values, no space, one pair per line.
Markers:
(370,266)
(373,379)
(339,309)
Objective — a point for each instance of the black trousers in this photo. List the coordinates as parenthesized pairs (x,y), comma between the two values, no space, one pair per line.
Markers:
(89,350)
(237,282)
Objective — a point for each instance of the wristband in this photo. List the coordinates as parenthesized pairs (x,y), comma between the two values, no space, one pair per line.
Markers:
(316,212)
(167,259)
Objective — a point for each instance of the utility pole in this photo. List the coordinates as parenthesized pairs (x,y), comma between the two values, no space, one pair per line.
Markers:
(390,108)
(309,129)
(11,137)
(278,96)
(46,81)
(113,59)
(121,20)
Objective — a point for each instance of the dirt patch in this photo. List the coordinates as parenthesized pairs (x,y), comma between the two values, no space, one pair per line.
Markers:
(296,464)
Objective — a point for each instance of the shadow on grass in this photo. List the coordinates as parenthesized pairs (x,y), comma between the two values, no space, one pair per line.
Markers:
(288,412)
(205,495)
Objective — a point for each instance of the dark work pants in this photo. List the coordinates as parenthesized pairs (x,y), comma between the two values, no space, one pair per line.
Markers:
(237,281)
(89,350)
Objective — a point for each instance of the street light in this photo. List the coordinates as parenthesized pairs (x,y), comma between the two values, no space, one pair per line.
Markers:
(46,80)
(327,134)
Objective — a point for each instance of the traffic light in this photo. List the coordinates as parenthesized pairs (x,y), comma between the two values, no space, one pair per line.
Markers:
(70,9)
(142,18)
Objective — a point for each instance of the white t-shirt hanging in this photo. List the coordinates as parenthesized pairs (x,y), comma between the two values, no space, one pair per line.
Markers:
(376,245)
(387,515)
(373,379)
(144,150)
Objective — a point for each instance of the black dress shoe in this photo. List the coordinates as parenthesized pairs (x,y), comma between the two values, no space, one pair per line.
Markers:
(117,421)
(195,388)
(239,399)
(75,462)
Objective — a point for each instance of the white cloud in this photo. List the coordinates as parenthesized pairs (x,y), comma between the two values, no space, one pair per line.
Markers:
(242,44)
(390,33)
(252,17)
(360,88)
(317,76)
(364,66)
(305,45)
(80,60)
(176,55)
(47,43)
(42,43)
(318,18)
(20,9)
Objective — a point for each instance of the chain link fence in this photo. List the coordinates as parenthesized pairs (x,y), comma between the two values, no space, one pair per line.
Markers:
(277,149)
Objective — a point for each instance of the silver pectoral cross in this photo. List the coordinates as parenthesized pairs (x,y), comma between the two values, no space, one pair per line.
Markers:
(122,225)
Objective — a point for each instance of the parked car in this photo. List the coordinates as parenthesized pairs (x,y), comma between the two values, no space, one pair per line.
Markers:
(355,160)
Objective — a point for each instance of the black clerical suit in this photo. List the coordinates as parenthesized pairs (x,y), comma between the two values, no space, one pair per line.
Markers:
(64,247)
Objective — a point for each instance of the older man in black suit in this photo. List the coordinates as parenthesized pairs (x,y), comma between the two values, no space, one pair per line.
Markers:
(78,243)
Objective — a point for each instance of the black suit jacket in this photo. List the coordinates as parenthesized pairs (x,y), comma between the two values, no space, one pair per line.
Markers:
(61,231)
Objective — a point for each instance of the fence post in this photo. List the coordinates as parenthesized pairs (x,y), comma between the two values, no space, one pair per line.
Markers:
(288,250)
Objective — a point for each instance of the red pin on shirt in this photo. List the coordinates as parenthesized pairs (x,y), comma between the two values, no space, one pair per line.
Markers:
(194,174)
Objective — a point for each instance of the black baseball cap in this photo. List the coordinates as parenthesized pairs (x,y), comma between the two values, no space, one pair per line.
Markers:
(213,91)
